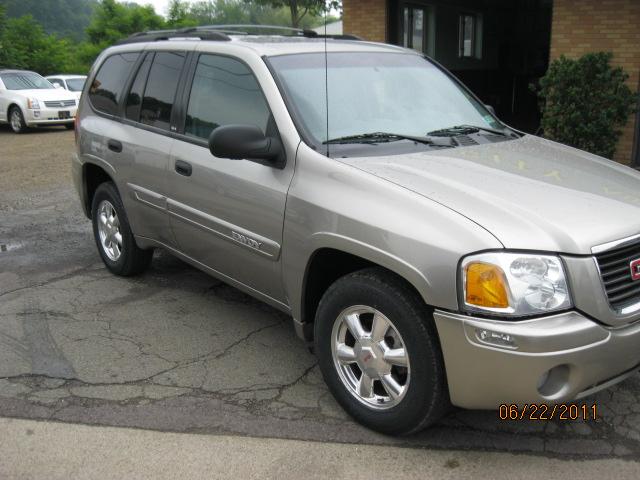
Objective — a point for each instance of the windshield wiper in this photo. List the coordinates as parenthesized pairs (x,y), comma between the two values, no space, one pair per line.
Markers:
(464,129)
(384,137)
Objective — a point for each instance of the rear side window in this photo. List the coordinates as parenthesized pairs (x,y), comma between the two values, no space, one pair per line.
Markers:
(224,92)
(134,99)
(106,88)
(160,91)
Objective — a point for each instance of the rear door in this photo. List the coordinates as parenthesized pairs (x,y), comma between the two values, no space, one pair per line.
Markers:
(228,214)
(146,141)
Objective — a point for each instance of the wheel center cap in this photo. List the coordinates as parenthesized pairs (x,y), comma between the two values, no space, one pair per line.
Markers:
(369,359)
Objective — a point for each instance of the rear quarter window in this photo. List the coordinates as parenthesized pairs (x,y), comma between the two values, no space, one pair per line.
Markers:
(108,84)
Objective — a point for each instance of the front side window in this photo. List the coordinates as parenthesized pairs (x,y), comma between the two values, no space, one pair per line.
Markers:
(25,81)
(375,92)
(224,92)
(106,87)
(160,92)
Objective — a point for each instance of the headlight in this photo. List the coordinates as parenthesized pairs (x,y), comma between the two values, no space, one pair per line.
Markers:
(33,104)
(514,284)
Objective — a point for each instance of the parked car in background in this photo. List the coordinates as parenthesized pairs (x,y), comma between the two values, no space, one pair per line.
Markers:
(73,83)
(27,100)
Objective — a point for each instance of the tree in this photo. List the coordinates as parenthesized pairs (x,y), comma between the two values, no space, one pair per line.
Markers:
(300,8)
(179,14)
(113,21)
(224,12)
(25,45)
(585,102)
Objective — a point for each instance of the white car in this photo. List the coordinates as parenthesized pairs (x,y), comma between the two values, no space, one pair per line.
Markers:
(73,83)
(28,100)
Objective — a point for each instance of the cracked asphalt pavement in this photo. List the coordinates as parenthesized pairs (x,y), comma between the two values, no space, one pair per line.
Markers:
(176,350)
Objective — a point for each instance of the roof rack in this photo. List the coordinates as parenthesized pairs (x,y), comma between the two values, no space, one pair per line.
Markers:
(156,35)
(299,32)
(243,29)
(221,33)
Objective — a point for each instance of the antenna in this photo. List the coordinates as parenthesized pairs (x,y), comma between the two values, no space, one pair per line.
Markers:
(326,73)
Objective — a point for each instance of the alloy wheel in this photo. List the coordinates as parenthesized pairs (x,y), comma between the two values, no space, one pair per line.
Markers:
(109,230)
(370,356)
(16,121)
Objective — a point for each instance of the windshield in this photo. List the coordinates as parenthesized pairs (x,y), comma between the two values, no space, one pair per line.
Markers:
(24,81)
(375,92)
(75,84)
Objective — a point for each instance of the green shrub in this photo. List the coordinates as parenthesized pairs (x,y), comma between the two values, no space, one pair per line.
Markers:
(585,102)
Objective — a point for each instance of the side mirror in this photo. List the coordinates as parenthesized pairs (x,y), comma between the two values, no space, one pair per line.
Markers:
(56,85)
(240,142)
(491,109)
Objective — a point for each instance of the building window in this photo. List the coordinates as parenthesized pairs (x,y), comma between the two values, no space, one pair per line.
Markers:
(414,28)
(469,36)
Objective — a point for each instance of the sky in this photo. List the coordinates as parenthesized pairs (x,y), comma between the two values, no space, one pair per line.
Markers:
(159,5)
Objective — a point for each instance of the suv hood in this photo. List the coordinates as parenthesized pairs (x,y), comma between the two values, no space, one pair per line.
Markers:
(530,193)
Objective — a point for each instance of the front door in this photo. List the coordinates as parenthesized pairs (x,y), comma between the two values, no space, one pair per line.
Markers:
(228,214)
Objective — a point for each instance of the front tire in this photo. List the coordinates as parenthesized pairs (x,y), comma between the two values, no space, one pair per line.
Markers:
(112,233)
(16,120)
(69,126)
(379,353)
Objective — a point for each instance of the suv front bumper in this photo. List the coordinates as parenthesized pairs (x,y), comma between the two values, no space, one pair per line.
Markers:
(544,360)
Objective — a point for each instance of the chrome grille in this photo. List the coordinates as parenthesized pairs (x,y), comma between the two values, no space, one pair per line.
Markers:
(615,270)
(59,103)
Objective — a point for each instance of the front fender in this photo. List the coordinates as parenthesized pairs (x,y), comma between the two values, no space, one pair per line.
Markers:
(334,205)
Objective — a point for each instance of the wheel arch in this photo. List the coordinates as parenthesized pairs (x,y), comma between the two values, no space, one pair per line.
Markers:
(339,256)
(93,175)
(10,107)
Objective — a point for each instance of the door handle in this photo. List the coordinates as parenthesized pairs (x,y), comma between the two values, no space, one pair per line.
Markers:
(183,168)
(114,145)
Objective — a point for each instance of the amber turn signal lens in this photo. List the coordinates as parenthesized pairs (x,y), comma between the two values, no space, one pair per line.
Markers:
(486,286)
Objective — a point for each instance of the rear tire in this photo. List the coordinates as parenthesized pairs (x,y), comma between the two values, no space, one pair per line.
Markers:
(69,126)
(16,120)
(390,375)
(116,244)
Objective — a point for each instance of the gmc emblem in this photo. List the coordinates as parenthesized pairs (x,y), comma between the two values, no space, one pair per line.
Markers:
(635,269)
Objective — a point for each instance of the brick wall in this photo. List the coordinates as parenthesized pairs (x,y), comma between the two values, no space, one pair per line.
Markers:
(581,26)
(366,18)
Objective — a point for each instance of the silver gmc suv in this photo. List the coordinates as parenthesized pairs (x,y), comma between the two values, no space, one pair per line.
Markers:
(430,254)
